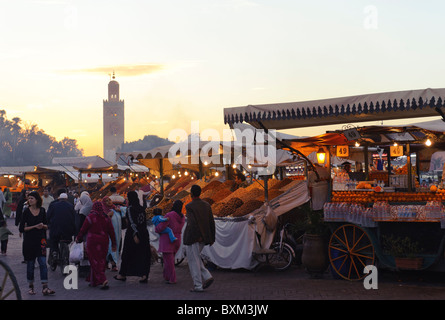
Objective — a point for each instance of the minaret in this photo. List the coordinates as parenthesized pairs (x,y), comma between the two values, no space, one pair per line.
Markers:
(114,120)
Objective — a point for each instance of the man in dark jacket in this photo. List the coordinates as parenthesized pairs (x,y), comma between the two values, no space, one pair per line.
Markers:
(199,231)
(61,222)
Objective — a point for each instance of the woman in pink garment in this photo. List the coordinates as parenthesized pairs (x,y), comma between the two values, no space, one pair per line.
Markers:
(99,230)
(175,221)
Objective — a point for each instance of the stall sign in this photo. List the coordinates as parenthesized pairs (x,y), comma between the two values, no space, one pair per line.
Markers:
(352,134)
(396,151)
(343,151)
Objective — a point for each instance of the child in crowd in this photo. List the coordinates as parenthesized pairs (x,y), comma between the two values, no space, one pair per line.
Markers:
(158,218)
(4,235)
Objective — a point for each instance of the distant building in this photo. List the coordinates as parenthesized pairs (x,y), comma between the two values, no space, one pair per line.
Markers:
(114,121)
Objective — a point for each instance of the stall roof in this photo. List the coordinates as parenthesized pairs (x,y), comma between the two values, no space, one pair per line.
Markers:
(16,170)
(190,160)
(91,164)
(361,108)
(162,152)
(374,135)
(69,170)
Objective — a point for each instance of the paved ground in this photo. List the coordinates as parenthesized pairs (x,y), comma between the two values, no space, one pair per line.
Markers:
(233,285)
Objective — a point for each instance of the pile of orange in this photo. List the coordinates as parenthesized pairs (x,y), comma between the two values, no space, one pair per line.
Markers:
(352,197)
(371,197)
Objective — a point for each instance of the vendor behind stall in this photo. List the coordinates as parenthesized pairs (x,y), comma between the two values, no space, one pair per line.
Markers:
(240,181)
(358,175)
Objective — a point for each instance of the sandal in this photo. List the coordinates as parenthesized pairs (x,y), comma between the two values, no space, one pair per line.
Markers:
(120,278)
(47,291)
(105,285)
(31,291)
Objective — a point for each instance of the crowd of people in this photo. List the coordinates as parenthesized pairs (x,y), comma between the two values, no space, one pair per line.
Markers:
(45,220)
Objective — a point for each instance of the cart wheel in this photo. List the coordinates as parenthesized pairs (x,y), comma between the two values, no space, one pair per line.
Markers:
(9,288)
(350,250)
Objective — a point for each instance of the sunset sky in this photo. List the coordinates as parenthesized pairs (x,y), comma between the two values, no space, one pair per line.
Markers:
(179,61)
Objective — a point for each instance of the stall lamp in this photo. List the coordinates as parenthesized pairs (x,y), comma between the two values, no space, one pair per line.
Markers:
(206,163)
(321,155)
(234,166)
(395,144)
(357,144)
(428,143)
(216,174)
(173,177)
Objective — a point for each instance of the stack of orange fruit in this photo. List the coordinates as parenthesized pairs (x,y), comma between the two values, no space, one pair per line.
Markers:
(371,197)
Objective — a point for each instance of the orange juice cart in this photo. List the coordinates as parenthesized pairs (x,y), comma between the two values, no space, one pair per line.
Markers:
(384,209)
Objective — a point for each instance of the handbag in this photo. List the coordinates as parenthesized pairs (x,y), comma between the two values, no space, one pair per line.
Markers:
(76,252)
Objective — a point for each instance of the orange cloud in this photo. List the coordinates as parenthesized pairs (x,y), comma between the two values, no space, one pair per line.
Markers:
(122,70)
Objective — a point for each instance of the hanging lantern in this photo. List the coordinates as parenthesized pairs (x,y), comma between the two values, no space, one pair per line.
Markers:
(321,155)
(428,143)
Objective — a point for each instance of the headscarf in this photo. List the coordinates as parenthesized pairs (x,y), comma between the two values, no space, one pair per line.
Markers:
(107,208)
(86,203)
(133,199)
(85,193)
(98,208)
(177,207)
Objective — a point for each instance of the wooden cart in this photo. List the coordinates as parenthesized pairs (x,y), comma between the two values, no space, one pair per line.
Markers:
(353,246)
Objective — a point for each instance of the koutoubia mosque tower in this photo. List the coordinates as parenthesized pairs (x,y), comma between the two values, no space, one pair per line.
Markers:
(114,121)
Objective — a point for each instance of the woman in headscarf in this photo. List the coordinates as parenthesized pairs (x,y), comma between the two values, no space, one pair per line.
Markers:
(83,207)
(99,230)
(116,214)
(175,221)
(136,253)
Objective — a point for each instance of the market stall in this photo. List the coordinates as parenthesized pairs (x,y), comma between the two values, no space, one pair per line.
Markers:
(239,214)
(389,212)
(192,155)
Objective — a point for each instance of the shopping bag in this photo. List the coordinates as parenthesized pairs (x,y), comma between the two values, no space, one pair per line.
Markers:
(76,252)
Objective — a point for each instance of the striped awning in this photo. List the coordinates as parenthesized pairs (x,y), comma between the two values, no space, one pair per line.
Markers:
(361,108)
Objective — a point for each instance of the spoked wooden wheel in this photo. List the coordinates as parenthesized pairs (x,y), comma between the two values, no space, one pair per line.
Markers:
(350,251)
(9,288)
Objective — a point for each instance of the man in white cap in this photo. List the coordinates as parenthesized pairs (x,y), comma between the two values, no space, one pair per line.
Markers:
(61,222)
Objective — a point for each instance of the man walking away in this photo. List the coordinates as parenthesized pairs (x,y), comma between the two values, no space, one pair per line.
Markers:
(61,222)
(199,232)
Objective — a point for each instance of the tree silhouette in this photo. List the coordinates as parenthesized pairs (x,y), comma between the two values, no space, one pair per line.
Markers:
(25,144)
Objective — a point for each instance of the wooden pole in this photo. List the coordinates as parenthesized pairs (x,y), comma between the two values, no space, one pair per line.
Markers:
(408,162)
(161,175)
(365,151)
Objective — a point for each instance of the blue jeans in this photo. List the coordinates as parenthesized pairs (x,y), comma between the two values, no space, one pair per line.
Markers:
(43,269)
